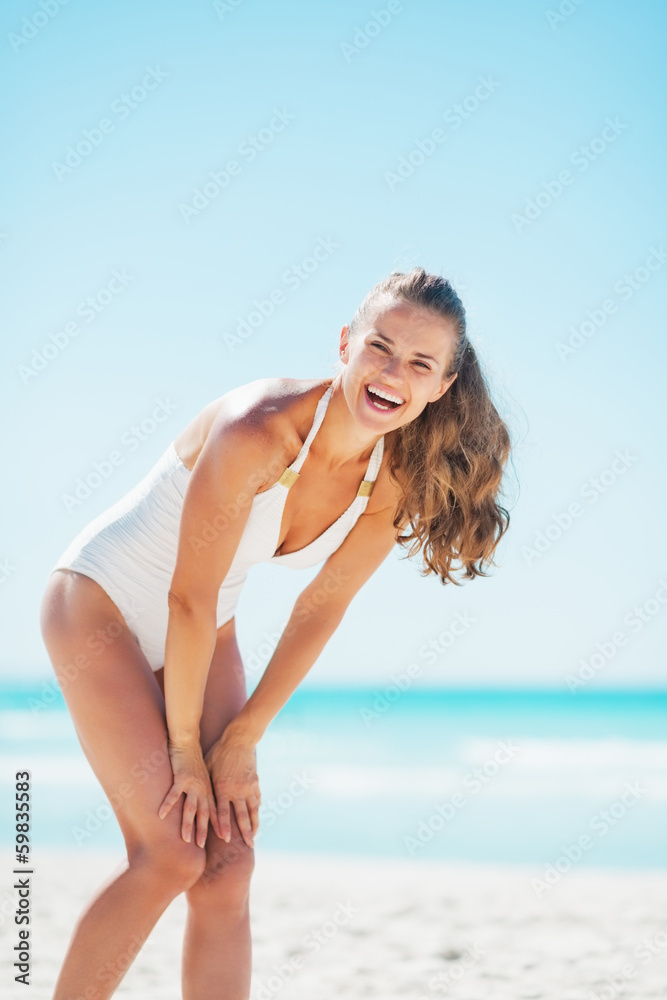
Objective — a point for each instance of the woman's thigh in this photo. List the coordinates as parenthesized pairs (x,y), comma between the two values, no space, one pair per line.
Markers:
(116,706)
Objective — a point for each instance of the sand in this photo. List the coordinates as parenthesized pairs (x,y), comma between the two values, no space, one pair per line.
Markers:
(332,926)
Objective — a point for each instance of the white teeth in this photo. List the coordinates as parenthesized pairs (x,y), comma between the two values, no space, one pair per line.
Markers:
(386,395)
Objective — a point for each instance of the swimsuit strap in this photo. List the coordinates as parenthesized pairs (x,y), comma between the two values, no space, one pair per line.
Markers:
(319,417)
(374,463)
(291,473)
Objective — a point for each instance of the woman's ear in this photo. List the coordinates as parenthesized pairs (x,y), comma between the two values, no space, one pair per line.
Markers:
(444,386)
(344,341)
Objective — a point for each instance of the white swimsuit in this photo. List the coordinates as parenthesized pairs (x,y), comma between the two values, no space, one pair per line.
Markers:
(130,549)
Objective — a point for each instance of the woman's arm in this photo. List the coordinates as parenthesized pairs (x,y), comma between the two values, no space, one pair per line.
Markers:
(315,617)
(232,464)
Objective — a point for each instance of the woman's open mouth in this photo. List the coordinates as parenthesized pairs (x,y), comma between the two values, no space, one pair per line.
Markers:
(381,400)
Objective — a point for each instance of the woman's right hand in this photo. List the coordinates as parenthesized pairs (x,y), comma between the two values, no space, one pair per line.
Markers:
(232,764)
(191,777)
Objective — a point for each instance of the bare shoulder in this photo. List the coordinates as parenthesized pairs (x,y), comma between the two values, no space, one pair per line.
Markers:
(273,410)
(279,409)
(276,402)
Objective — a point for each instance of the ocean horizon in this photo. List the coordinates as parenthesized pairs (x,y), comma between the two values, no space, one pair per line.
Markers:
(499,776)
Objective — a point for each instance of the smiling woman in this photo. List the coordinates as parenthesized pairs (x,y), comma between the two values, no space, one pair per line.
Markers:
(295,472)
(409,349)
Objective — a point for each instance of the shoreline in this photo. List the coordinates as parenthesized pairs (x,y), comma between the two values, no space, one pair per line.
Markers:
(328,925)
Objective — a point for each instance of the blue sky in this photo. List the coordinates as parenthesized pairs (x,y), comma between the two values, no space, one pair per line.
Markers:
(531,146)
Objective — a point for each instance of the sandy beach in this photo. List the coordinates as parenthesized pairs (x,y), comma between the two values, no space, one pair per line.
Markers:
(330,926)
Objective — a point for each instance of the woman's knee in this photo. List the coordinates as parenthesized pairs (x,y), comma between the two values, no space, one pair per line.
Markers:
(226,877)
(172,863)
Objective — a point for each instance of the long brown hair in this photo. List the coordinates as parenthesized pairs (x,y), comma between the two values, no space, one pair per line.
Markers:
(449,461)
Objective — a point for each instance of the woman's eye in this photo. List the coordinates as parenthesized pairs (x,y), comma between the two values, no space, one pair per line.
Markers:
(376,343)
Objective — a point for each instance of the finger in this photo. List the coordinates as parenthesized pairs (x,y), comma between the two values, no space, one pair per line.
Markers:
(253,809)
(213,817)
(189,811)
(224,820)
(243,821)
(202,822)
(169,801)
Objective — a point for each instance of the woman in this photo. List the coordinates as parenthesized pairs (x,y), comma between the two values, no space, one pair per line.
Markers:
(138,614)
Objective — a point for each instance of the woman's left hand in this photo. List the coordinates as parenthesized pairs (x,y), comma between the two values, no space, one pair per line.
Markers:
(232,764)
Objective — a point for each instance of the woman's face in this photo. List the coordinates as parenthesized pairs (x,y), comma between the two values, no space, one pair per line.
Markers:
(402,350)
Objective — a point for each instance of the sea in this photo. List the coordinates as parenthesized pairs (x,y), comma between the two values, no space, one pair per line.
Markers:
(534,777)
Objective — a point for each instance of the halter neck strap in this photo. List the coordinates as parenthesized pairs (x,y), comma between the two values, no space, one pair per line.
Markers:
(291,473)
(319,417)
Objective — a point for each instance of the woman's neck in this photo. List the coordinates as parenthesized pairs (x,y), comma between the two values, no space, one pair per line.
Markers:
(340,440)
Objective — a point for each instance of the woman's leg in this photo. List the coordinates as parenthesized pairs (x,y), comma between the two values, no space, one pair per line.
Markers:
(217,951)
(118,712)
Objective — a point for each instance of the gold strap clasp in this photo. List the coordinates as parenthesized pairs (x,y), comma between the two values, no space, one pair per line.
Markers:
(288,478)
(366,488)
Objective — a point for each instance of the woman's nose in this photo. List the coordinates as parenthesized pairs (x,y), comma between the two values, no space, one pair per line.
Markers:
(394,368)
